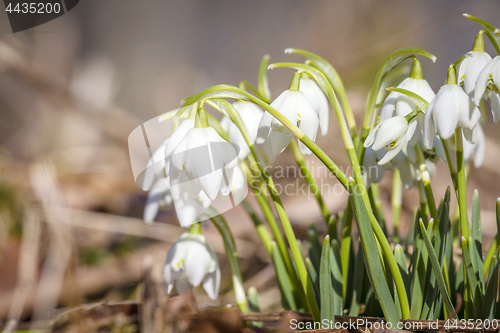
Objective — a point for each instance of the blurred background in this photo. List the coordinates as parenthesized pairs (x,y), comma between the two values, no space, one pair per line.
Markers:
(73,89)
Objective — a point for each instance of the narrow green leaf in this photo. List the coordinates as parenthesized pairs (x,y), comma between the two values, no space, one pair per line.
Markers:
(476,294)
(314,246)
(313,274)
(399,254)
(491,291)
(284,282)
(437,269)
(325,283)
(489,255)
(419,264)
(372,258)
(336,273)
(253,299)
(476,247)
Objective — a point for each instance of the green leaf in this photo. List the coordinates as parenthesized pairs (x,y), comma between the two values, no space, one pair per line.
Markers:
(419,265)
(359,274)
(314,276)
(253,300)
(372,258)
(476,247)
(399,254)
(336,273)
(313,246)
(476,294)
(325,283)
(491,291)
(284,283)
(436,268)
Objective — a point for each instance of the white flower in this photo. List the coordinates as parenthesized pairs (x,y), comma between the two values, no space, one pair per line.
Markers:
(296,108)
(406,169)
(488,86)
(392,134)
(479,147)
(469,70)
(204,160)
(318,101)
(250,115)
(450,109)
(401,104)
(191,262)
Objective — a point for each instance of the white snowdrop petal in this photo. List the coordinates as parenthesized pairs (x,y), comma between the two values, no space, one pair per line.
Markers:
(196,261)
(392,152)
(279,141)
(371,136)
(211,284)
(495,106)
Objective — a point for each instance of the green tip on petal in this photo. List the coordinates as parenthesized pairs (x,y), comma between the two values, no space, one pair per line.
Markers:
(479,42)
(201,119)
(416,70)
(452,76)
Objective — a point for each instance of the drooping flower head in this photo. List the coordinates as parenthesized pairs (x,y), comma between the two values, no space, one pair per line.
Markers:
(473,63)
(191,262)
(449,110)
(294,105)
(391,134)
(401,105)
(318,101)
(204,160)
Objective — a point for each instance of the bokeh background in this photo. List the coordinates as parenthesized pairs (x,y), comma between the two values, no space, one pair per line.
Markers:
(72,90)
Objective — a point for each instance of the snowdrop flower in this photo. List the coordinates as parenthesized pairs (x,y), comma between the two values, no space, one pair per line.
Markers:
(479,148)
(392,134)
(472,65)
(251,115)
(318,101)
(191,262)
(401,104)
(294,105)
(204,160)
(488,86)
(450,109)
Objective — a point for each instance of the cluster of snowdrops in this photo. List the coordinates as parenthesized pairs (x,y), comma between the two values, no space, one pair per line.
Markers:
(407,128)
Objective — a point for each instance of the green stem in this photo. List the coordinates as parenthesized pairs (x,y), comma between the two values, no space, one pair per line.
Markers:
(462,186)
(396,201)
(299,158)
(232,257)
(426,181)
(464,222)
